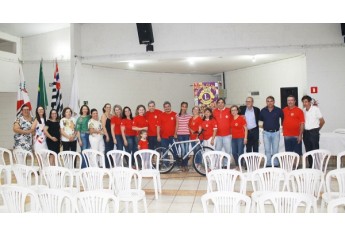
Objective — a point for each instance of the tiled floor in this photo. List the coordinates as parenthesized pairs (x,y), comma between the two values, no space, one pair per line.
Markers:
(181,192)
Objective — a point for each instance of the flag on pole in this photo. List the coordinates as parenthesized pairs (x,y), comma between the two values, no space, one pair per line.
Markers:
(22,95)
(57,95)
(42,99)
(74,101)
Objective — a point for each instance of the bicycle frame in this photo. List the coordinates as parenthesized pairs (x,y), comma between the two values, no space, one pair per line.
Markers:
(175,144)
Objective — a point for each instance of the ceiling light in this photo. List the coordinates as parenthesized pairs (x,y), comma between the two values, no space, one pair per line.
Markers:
(131,65)
(254,59)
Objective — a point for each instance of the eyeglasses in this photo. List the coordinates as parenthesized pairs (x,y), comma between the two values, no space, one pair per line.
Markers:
(248,101)
(26,110)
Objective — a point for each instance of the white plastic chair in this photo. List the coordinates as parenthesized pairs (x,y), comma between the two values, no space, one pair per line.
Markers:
(334,205)
(26,176)
(5,174)
(267,180)
(24,157)
(226,202)
(16,197)
(307,181)
(94,158)
(333,193)
(43,156)
(146,158)
(58,177)
(119,158)
(288,161)
(226,180)
(320,159)
(122,180)
(55,201)
(253,161)
(214,160)
(67,159)
(96,202)
(3,153)
(340,156)
(94,178)
(285,202)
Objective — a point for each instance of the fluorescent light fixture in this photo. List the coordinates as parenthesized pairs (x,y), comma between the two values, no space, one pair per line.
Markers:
(130,64)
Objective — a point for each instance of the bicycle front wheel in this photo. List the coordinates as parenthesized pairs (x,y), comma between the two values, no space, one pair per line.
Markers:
(166,160)
(198,161)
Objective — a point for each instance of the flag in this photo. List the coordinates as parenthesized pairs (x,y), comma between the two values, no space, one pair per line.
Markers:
(42,92)
(74,102)
(57,95)
(22,95)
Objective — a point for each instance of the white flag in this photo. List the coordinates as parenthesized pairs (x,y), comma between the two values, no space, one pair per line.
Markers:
(74,101)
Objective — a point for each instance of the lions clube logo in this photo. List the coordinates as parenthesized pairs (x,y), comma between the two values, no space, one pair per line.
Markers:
(206,95)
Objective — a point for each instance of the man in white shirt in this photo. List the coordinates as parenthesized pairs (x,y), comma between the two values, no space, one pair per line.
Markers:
(313,123)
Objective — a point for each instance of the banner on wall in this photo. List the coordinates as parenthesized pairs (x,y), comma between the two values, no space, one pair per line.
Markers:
(205,93)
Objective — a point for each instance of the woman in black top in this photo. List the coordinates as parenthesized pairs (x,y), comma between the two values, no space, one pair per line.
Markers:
(52,132)
(106,128)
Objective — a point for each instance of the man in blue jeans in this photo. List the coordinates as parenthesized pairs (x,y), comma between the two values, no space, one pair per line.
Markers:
(293,126)
(271,116)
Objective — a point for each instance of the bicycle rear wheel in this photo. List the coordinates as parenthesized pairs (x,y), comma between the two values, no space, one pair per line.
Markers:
(166,162)
(198,161)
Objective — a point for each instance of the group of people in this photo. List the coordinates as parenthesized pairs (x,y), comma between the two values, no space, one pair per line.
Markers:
(224,129)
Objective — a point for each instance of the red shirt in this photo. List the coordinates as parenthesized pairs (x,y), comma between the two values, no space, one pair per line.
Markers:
(117,122)
(224,119)
(293,118)
(208,126)
(127,123)
(167,123)
(140,122)
(152,119)
(237,127)
(194,125)
(143,144)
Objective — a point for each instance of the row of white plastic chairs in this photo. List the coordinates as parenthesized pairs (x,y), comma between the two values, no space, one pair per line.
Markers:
(19,199)
(116,181)
(282,202)
(307,181)
(71,159)
(287,160)
(147,161)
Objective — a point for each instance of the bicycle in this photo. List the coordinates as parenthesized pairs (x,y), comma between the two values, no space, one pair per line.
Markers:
(167,161)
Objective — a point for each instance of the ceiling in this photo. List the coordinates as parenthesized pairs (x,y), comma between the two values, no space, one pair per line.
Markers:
(197,65)
(30,29)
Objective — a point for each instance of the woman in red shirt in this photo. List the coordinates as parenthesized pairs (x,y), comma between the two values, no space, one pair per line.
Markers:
(116,127)
(239,134)
(128,134)
(140,122)
(194,127)
(209,125)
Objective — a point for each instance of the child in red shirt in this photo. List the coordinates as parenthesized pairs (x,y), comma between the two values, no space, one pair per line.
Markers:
(142,145)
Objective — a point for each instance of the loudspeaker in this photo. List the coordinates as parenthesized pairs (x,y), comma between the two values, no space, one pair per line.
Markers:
(342,29)
(145,33)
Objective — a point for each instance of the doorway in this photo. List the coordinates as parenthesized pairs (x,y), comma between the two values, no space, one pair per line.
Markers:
(285,92)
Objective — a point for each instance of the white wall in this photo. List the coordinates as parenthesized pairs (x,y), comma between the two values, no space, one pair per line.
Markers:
(128,88)
(267,79)
(326,70)
(9,67)
(49,46)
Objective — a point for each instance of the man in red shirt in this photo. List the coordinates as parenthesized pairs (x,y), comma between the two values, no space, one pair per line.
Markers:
(152,116)
(224,118)
(166,127)
(293,126)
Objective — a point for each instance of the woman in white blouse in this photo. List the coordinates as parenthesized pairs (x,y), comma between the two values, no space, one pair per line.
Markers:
(96,133)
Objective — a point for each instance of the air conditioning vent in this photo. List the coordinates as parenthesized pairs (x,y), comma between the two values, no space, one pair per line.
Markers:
(8,46)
